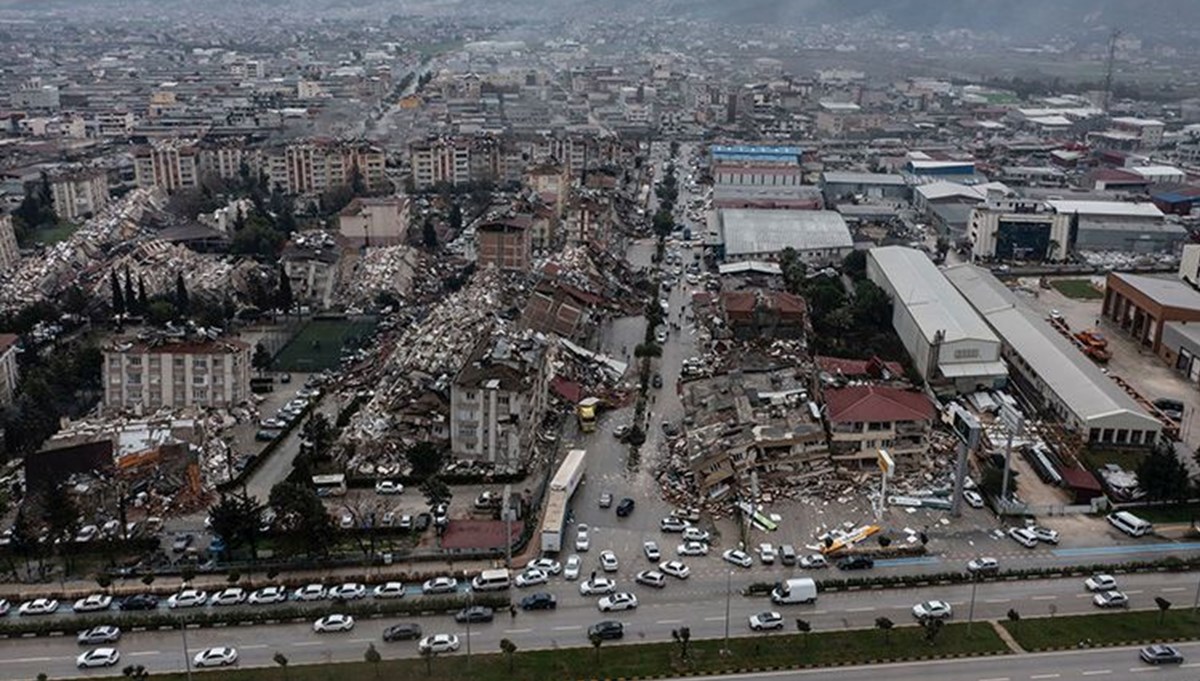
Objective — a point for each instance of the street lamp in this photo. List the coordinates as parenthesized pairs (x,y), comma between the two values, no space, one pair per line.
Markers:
(728,597)
(187,657)
(971,610)
(470,602)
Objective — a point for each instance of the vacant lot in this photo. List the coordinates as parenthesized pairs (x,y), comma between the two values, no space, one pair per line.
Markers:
(1080,289)
(319,344)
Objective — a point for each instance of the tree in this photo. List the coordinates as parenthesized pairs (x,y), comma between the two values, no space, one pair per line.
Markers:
(456,218)
(663,223)
(302,518)
(429,233)
(187,573)
(373,658)
(283,295)
(103,581)
(943,247)
(148,578)
(884,541)
(236,520)
(261,359)
(42,676)
(282,661)
(682,636)
(182,305)
(872,307)
(436,491)
(596,642)
(426,459)
(854,265)
(508,648)
(932,627)
(160,312)
(794,271)
(804,627)
(357,184)
(118,297)
(1163,475)
(1163,605)
(137,672)
(1014,617)
(130,294)
(885,625)
(62,514)
(142,303)
(319,435)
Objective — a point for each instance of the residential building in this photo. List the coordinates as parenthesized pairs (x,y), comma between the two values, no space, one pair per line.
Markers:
(80,195)
(1051,372)
(10,373)
(171,165)
(144,375)
(1142,305)
(947,340)
(819,237)
(375,221)
(314,167)
(310,261)
(10,254)
(864,419)
(504,243)
(1018,229)
(498,398)
(763,314)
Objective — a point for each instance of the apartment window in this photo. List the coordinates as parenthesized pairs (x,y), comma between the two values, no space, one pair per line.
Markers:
(134,378)
(178,363)
(135,361)
(114,362)
(199,364)
(218,362)
(199,393)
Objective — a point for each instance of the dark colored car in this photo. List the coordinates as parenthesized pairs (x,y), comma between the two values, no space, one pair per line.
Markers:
(474,614)
(669,430)
(422,523)
(539,601)
(856,563)
(625,507)
(140,602)
(657,381)
(402,632)
(608,629)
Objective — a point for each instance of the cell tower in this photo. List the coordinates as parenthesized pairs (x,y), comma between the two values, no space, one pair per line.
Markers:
(1108,67)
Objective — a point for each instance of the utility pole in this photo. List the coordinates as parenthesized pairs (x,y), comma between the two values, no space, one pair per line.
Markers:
(728,597)
(1109,64)
(187,656)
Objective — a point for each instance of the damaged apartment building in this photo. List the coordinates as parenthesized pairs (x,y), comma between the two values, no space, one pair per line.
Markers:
(499,397)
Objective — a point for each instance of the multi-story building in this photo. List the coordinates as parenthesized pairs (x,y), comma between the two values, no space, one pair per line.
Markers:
(310,261)
(170,165)
(439,160)
(9,371)
(79,195)
(318,166)
(1016,229)
(165,372)
(505,243)
(866,418)
(375,222)
(498,399)
(9,253)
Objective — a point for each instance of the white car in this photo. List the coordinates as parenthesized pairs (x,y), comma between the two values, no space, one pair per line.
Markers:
(673,524)
(231,596)
(695,534)
(738,558)
(652,578)
(87,533)
(188,598)
(221,656)
(104,633)
(764,621)
(650,548)
(617,601)
(547,565)
(38,606)
(767,554)
(350,591)
(813,561)
(1023,537)
(331,623)
(582,541)
(983,565)
(388,487)
(608,561)
(98,657)
(310,592)
(933,610)
(597,586)
(438,643)
(1111,599)
(268,594)
(692,548)
(440,585)
(389,590)
(675,568)
(532,577)
(1100,583)
(972,498)
(93,603)
(1045,534)
(571,570)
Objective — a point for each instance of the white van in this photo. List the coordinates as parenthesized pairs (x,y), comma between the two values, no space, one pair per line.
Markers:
(1129,523)
(491,580)
(796,590)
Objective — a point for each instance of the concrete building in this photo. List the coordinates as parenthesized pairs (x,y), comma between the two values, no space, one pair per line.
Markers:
(318,166)
(1189,265)
(505,244)
(1120,226)
(866,418)
(1179,347)
(145,375)
(310,261)
(820,237)
(758,313)
(1148,131)
(170,165)
(10,254)
(943,335)
(757,175)
(10,373)
(1051,372)
(842,186)
(498,398)
(1018,229)
(375,222)
(1142,305)
(79,195)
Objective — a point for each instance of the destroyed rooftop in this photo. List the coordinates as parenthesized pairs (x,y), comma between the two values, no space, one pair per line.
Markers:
(509,360)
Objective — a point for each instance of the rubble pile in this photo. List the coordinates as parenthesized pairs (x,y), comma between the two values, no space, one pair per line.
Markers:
(1120,260)
(158,262)
(385,269)
(75,259)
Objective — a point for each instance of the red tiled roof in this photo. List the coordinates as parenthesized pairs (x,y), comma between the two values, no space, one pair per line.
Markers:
(7,340)
(874,403)
(858,367)
(568,390)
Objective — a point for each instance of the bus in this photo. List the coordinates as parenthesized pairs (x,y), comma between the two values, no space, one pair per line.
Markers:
(333,485)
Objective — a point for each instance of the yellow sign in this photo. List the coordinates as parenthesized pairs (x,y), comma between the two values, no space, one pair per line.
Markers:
(886,464)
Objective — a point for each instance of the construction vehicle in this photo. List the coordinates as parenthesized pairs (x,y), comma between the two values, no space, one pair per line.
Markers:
(586,411)
(1094,345)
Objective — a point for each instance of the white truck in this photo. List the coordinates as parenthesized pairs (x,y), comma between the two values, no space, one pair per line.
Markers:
(795,590)
(562,486)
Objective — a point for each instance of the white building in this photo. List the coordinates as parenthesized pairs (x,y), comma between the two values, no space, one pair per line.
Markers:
(1120,226)
(1047,368)
(819,237)
(78,196)
(143,376)
(9,253)
(1016,229)
(945,337)
(375,222)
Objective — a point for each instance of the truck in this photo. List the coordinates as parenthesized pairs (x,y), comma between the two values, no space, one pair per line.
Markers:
(586,411)
(794,590)
(1094,345)
(562,487)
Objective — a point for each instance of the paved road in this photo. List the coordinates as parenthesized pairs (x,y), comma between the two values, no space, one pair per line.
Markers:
(279,464)
(701,608)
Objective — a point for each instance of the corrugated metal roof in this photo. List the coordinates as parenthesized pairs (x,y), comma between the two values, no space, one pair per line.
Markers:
(841,177)
(746,231)
(1166,292)
(934,304)
(1115,208)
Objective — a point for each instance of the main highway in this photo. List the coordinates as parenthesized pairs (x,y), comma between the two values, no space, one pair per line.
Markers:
(678,604)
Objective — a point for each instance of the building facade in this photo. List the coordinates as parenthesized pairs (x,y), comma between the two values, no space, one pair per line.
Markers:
(864,419)
(1015,229)
(375,222)
(78,196)
(1142,305)
(170,165)
(504,244)
(144,376)
(9,371)
(10,254)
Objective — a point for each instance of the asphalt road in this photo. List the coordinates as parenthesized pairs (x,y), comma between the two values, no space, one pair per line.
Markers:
(698,605)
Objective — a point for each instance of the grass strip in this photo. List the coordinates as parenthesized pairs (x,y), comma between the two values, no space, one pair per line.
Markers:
(1107,629)
(1079,289)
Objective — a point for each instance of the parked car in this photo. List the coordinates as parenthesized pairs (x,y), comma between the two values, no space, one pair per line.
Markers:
(1045,534)
(606,499)
(139,602)
(231,596)
(652,578)
(856,563)
(405,631)
(439,585)
(582,540)
(692,548)
(608,561)
(1023,537)
(93,603)
(650,548)
(571,569)
(597,586)
(268,594)
(531,577)
(983,566)
(765,621)
(738,557)
(388,487)
(389,590)
(695,534)
(766,553)
(1172,409)
(973,498)
(673,524)
(349,591)
(618,602)
(547,565)
(675,569)
(310,592)
(813,561)
(625,508)
(333,623)
(98,657)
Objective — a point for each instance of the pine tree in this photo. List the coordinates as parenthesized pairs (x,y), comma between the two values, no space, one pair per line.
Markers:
(283,295)
(130,296)
(181,295)
(118,300)
(141,298)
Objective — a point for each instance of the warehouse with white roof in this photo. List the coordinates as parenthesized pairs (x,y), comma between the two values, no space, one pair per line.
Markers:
(820,237)
(945,337)
(1050,371)
(1121,226)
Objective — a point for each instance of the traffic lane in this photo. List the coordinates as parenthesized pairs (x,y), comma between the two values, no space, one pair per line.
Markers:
(279,463)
